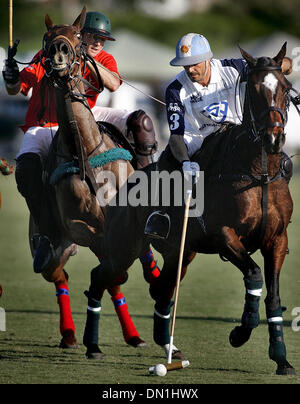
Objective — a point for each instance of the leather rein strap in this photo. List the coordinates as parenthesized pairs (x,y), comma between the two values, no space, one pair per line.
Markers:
(84,165)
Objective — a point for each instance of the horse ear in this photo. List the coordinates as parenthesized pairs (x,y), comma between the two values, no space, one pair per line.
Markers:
(281,54)
(48,22)
(249,59)
(80,20)
(287,66)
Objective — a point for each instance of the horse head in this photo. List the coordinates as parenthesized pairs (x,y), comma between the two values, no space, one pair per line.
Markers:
(267,98)
(62,47)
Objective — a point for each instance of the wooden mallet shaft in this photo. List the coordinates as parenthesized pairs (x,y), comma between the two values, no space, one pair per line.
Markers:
(177,365)
(10,24)
(186,216)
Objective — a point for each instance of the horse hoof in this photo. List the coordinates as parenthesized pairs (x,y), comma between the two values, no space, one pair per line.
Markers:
(286,370)
(178,355)
(94,352)
(239,335)
(136,342)
(68,340)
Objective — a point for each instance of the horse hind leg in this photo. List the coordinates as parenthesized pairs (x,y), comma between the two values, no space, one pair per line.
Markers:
(130,333)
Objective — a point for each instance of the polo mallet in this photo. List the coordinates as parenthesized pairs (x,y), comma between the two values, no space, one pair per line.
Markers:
(12,48)
(161,370)
(10,24)
(179,269)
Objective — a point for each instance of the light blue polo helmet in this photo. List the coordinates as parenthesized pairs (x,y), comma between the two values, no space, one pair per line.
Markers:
(191,49)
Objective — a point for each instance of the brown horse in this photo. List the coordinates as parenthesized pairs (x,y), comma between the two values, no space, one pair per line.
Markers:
(243,165)
(80,157)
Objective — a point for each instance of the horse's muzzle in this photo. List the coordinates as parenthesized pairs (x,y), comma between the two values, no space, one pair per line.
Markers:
(274,143)
(59,55)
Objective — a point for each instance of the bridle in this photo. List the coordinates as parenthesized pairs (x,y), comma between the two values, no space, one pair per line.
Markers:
(258,129)
(69,84)
(75,54)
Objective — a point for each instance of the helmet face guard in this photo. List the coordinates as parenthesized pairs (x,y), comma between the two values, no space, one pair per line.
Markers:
(191,49)
(97,23)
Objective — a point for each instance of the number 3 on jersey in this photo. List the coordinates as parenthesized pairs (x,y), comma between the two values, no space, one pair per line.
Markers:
(175,121)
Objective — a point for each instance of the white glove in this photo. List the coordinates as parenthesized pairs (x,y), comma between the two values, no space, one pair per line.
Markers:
(191,171)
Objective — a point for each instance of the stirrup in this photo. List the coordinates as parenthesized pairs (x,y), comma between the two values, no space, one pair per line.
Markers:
(43,255)
(158,225)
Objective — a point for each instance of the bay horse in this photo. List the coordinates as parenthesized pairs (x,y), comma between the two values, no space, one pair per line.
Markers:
(80,154)
(243,165)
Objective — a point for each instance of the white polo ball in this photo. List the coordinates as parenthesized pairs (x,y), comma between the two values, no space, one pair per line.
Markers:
(160,370)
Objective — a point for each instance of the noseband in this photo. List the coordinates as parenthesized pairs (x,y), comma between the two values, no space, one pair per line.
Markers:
(73,54)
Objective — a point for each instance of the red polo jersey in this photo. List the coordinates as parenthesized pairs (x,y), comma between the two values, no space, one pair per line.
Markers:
(31,78)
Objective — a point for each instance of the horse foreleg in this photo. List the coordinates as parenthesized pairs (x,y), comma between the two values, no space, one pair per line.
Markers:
(67,327)
(236,253)
(162,291)
(273,259)
(60,278)
(102,278)
(131,336)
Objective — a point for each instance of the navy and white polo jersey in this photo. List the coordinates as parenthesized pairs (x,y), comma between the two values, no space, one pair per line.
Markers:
(195,111)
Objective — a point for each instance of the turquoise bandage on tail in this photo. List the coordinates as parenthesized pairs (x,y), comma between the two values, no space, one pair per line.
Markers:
(71,167)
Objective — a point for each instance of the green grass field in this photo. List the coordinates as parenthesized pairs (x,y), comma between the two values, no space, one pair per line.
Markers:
(211,301)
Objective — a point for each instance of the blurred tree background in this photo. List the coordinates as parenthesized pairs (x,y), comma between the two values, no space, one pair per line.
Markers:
(224,22)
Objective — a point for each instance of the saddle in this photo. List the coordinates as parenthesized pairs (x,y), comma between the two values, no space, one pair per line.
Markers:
(51,168)
(119,139)
(214,151)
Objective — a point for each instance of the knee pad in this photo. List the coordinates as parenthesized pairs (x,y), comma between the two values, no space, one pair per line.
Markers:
(141,127)
(28,174)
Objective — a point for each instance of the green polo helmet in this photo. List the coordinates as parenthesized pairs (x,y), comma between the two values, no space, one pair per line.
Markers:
(98,23)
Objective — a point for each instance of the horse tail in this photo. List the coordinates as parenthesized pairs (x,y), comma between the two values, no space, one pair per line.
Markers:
(5,168)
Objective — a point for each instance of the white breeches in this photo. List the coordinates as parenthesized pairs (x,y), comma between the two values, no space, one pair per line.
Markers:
(38,139)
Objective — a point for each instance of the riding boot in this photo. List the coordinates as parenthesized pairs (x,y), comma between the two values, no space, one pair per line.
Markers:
(141,131)
(29,181)
(286,166)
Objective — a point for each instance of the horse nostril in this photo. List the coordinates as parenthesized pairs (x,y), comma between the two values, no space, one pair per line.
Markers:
(64,49)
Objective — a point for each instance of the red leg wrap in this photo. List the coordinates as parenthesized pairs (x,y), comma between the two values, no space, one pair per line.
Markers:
(127,325)
(63,300)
